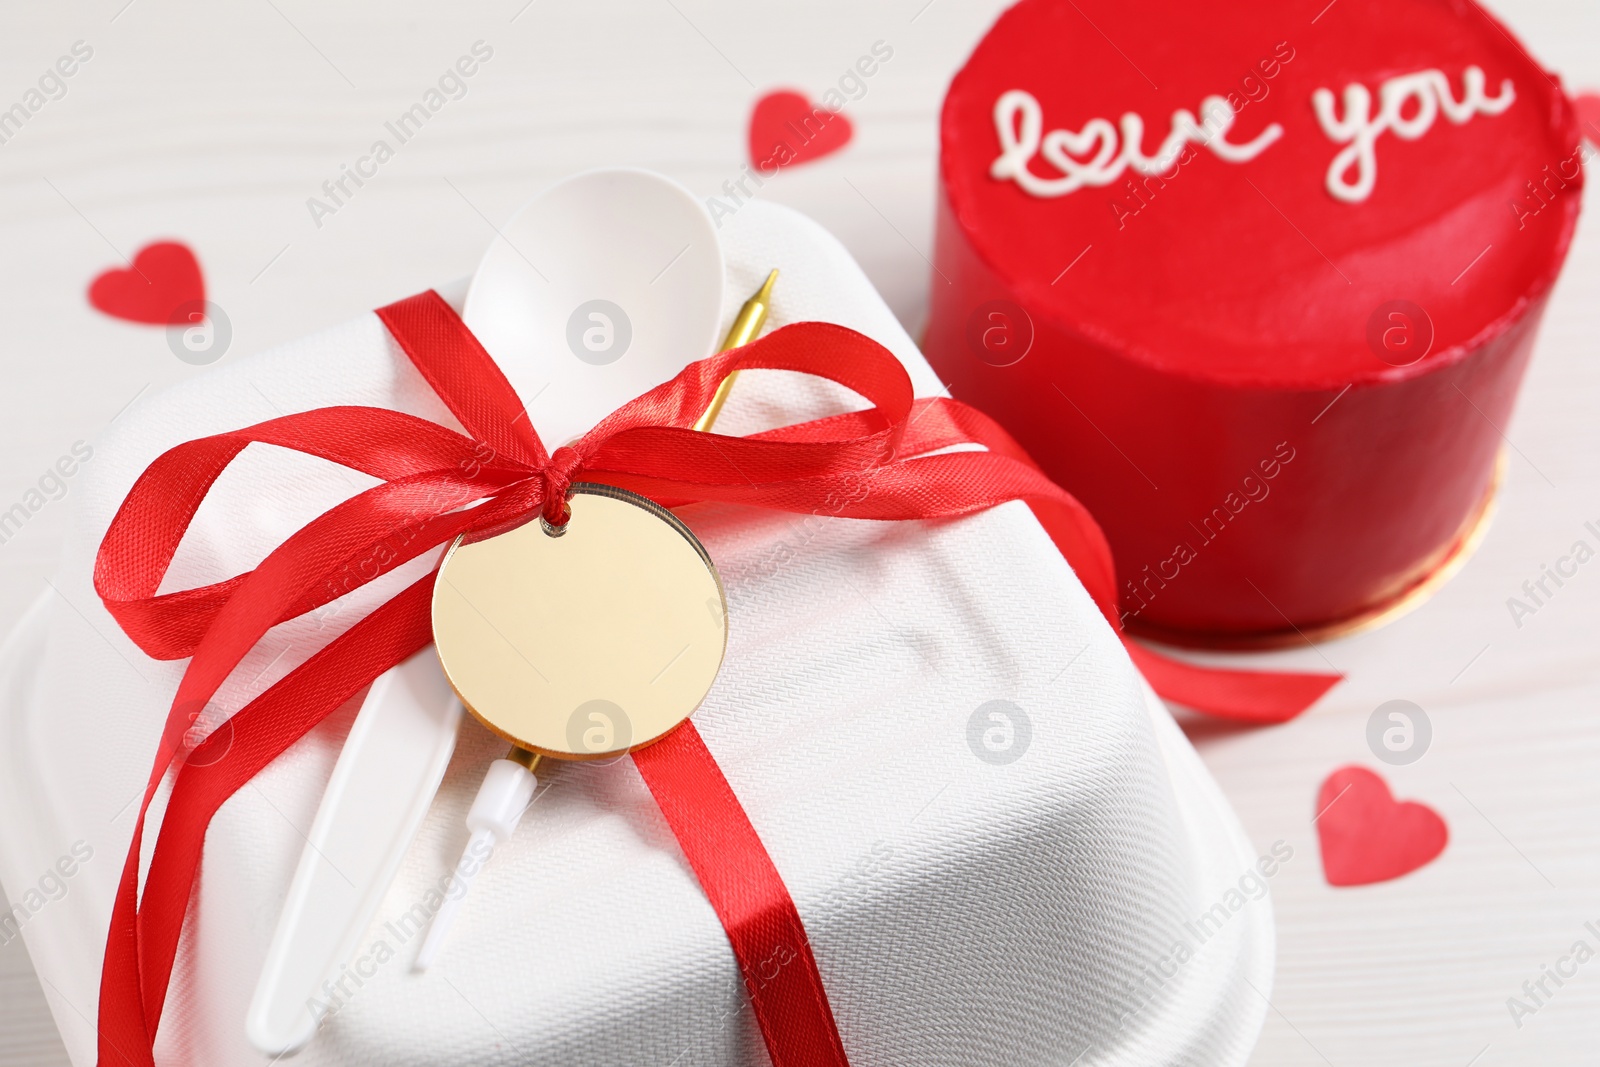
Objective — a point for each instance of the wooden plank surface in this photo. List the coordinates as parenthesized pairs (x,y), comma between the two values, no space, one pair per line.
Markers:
(217,123)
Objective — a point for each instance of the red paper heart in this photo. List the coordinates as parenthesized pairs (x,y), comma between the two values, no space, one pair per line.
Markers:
(1367,836)
(165,276)
(786,128)
(1588,108)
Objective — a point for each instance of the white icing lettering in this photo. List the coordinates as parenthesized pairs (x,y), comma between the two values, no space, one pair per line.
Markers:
(1359,129)
(1097,155)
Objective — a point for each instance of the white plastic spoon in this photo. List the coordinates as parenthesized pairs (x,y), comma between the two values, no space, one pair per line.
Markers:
(599,289)
(603,287)
(387,773)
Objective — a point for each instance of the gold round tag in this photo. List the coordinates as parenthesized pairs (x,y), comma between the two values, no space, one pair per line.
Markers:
(586,643)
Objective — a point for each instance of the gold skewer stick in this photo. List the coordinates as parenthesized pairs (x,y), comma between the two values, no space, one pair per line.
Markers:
(518,754)
(746,325)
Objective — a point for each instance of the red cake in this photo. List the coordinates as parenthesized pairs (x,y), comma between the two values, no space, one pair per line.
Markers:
(1257,282)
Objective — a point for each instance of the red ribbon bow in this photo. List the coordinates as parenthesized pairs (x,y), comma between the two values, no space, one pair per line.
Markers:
(881,463)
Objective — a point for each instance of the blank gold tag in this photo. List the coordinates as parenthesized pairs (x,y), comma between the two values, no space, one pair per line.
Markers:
(588,644)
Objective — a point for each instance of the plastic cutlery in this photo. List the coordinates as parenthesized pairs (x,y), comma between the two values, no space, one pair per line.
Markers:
(404,733)
(599,289)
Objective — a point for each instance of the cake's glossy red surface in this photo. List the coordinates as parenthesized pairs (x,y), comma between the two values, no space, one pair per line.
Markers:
(1191,330)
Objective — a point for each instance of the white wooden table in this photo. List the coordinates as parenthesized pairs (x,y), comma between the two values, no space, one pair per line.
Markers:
(216,124)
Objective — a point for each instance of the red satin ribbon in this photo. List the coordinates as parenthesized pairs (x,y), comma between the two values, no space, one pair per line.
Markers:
(436,484)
